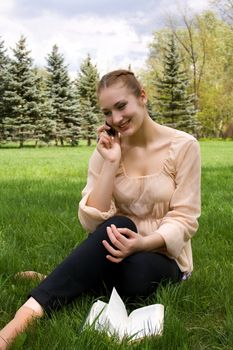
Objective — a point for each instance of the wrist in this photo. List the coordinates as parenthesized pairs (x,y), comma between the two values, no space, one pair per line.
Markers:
(153,242)
(111,165)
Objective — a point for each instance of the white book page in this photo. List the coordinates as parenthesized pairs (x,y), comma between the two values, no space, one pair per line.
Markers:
(117,314)
(97,315)
(146,321)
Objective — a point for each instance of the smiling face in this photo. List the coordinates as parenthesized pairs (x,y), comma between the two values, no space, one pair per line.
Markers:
(122,109)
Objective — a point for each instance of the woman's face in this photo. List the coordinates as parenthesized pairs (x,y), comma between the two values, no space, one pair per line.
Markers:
(123,111)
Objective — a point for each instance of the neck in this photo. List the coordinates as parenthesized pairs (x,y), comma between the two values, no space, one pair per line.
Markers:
(145,135)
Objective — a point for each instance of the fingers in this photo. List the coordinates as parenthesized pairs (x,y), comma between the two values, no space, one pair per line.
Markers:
(117,238)
(104,140)
(113,259)
(122,246)
(125,232)
(102,132)
(102,128)
(118,248)
(114,252)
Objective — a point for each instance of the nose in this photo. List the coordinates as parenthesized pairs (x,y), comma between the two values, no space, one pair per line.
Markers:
(116,117)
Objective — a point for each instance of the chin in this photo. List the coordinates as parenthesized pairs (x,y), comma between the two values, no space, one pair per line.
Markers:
(128,132)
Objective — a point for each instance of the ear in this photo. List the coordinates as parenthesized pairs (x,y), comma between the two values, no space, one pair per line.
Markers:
(143,97)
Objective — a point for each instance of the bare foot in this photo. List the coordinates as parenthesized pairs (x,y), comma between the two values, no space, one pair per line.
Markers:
(31,275)
(23,317)
(3,344)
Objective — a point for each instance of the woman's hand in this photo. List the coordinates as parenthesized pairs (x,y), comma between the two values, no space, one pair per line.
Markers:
(125,242)
(108,146)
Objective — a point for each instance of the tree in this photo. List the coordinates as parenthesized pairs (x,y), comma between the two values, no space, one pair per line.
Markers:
(175,105)
(225,7)
(89,121)
(154,69)
(45,128)
(216,90)
(21,96)
(193,40)
(86,83)
(59,90)
(4,61)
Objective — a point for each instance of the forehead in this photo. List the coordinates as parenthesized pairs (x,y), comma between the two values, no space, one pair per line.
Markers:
(109,96)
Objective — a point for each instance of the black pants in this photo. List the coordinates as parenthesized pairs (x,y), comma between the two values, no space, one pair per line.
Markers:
(86,269)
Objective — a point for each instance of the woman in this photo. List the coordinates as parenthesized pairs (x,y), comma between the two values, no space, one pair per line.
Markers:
(141,203)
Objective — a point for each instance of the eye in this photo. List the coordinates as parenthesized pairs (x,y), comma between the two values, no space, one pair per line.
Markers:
(107,113)
(122,106)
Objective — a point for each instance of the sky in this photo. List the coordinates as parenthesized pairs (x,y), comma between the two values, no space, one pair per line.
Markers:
(116,33)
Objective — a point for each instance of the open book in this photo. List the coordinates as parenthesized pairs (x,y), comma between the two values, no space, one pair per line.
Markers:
(112,317)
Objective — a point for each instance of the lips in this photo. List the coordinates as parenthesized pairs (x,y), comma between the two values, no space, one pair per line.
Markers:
(124,125)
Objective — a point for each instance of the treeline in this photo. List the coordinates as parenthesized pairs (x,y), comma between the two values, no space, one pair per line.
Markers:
(188,77)
(205,47)
(44,104)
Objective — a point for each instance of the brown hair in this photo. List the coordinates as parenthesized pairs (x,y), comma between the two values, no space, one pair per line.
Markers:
(126,77)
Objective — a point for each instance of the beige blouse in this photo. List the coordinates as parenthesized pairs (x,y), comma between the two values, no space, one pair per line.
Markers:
(167,202)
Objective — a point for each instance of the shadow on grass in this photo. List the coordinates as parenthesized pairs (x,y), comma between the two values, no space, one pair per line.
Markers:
(38,223)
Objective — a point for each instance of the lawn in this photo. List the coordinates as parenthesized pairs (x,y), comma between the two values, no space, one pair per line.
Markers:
(40,190)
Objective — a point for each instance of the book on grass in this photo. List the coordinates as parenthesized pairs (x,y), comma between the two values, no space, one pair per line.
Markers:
(112,317)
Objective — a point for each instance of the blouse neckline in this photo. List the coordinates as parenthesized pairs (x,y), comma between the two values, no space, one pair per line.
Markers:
(156,174)
(141,176)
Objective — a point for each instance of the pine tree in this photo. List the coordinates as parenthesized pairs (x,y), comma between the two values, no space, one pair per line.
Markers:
(59,90)
(4,61)
(89,121)
(21,96)
(86,83)
(175,105)
(45,128)
(74,120)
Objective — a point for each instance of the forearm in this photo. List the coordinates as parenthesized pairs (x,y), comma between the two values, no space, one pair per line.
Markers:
(101,195)
(153,242)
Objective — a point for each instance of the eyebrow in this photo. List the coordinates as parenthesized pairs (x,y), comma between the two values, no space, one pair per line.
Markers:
(115,105)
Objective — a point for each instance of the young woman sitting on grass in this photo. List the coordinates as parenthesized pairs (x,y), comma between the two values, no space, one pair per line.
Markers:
(141,203)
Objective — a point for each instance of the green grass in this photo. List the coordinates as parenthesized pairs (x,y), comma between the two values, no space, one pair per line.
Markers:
(39,193)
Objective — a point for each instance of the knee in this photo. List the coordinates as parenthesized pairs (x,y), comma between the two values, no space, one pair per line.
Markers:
(120,221)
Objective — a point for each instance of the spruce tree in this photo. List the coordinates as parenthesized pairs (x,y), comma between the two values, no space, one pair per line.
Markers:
(4,61)
(45,128)
(21,96)
(89,121)
(175,105)
(86,83)
(60,92)
(74,120)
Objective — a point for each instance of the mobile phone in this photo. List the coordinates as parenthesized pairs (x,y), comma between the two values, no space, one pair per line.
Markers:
(111,131)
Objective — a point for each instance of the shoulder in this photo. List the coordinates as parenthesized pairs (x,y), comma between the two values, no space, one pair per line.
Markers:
(183,146)
(174,135)
(181,141)
(182,135)
(185,151)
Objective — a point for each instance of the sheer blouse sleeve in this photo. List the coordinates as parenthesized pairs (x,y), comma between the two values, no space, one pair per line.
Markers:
(90,217)
(180,223)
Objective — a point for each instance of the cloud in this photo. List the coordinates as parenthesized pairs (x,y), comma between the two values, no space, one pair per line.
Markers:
(110,43)
(68,8)
(115,33)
